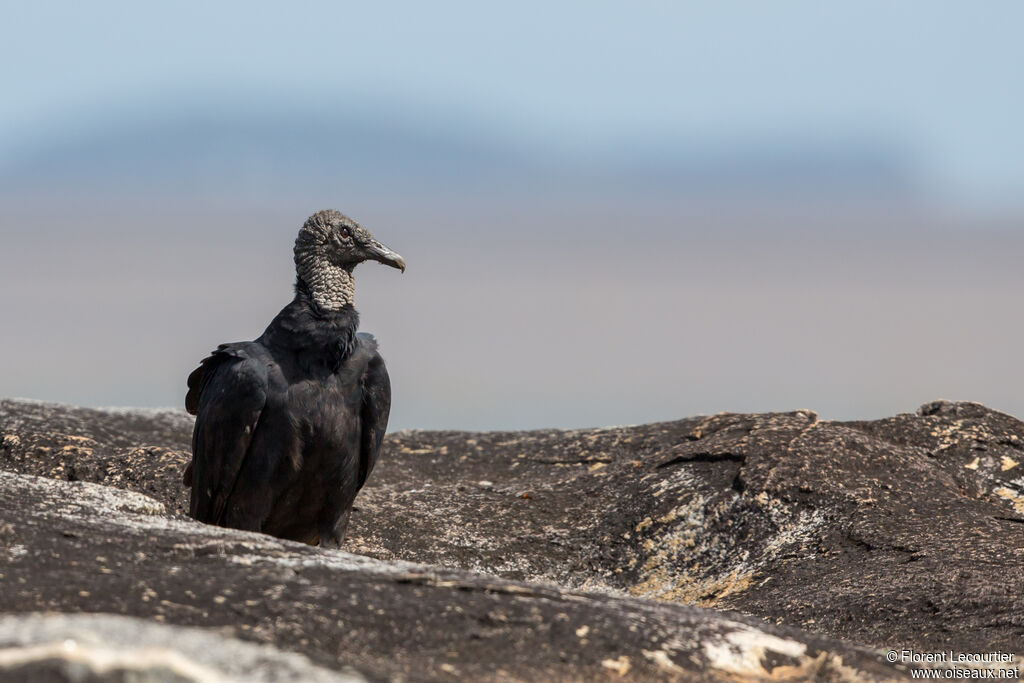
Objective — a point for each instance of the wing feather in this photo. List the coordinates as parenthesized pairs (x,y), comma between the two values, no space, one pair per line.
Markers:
(374,410)
(227,393)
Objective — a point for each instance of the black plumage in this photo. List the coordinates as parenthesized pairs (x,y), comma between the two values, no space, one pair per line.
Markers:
(289,426)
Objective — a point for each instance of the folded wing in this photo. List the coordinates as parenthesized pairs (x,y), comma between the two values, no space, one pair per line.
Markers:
(375,407)
(227,393)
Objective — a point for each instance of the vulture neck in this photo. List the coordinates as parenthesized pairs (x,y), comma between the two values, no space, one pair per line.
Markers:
(330,287)
(315,339)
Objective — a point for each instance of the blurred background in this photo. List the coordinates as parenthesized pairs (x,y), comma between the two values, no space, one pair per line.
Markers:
(612,213)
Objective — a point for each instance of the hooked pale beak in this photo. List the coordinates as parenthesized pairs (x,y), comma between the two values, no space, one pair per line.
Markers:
(378,252)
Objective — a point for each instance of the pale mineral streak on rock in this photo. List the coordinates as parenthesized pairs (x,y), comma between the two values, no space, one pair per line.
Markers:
(77,647)
(1015,498)
(743,651)
(620,665)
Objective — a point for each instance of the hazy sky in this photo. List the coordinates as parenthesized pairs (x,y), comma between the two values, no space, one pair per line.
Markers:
(564,302)
(942,78)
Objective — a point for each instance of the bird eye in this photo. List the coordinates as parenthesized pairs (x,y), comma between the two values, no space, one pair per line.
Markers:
(345,232)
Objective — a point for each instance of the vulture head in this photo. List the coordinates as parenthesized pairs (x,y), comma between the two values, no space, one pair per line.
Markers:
(335,238)
(329,246)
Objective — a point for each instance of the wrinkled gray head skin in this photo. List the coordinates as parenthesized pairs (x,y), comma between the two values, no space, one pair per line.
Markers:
(329,246)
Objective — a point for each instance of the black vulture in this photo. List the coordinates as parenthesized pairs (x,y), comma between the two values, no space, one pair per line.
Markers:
(289,426)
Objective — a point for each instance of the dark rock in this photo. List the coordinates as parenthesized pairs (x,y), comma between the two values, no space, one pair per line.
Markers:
(78,546)
(901,532)
(139,450)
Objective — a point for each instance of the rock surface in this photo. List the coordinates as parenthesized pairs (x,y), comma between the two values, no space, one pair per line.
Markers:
(78,546)
(102,647)
(901,532)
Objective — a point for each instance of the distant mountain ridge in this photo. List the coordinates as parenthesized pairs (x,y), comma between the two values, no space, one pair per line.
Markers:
(248,146)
